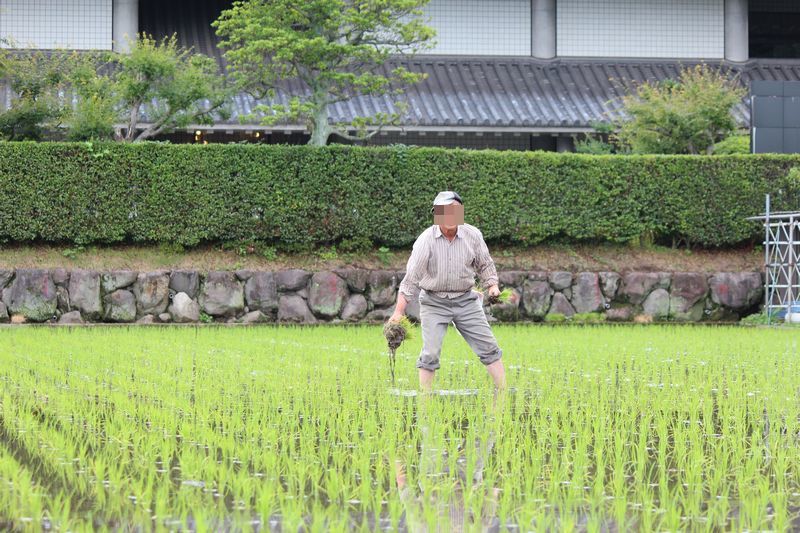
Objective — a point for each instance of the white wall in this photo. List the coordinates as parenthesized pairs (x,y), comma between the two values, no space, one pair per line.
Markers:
(480,27)
(641,28)
(44,24)
(614,28)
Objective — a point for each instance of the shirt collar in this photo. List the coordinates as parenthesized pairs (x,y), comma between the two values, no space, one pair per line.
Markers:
(437,232)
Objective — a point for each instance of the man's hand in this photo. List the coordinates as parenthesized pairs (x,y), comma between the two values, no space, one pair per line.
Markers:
(494,295)
(396,317)
(494,291)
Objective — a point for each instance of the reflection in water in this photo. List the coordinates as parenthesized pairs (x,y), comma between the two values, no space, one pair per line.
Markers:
(450,499)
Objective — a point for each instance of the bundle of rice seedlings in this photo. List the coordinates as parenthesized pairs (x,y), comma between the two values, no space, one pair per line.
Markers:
(396,333)
(503,297)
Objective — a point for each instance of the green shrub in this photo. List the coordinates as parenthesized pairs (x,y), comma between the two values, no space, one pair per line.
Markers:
(329,254)
(269,253)
(385,255)
(735,144)
(601,141)
(756,319)
(593,146)
(683,115)
(301,197)
(761,318)
(356,245)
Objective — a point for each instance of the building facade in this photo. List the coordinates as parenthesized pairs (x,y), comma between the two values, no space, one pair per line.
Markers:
(511,74)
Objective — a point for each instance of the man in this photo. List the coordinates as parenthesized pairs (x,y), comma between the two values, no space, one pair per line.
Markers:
(443,264)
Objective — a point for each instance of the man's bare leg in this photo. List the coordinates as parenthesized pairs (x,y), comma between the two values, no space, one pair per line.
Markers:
(426,379)
(497,371)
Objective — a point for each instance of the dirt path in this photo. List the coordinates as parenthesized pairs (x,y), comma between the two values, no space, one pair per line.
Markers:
(619,258)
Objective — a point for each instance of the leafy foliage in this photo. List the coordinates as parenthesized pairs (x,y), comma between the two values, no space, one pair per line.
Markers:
(300,197)
(96,110)
(735,144)
(336,50)
(684,116)
(172,86)
(599,142)
(35,80)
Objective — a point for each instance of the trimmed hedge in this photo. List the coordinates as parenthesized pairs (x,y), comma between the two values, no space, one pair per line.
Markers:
(300,196)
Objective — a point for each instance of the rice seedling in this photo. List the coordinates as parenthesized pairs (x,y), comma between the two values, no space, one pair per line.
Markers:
(502,298)
(602,427)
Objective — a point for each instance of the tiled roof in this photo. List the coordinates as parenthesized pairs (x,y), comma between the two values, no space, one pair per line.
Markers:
(563,93)
(475,93)
(530,94)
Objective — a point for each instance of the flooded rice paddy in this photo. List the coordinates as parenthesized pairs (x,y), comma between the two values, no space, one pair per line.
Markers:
(603,428)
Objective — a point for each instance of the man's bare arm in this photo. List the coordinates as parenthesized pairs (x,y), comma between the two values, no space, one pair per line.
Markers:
(399,308)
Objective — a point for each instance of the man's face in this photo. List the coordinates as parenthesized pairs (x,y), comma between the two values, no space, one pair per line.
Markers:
(448,216)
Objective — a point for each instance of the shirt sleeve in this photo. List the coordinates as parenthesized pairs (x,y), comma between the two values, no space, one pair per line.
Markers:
(415,268)
(484,264)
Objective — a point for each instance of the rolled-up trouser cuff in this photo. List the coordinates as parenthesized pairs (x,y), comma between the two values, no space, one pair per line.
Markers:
(427,366)
(491,358)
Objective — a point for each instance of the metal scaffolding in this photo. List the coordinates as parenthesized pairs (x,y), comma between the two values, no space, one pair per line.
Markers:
(781,255)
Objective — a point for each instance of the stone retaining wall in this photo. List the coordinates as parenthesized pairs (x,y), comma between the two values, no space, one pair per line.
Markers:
(356,295)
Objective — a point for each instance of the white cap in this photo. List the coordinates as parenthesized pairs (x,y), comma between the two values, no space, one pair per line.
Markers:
(446,198)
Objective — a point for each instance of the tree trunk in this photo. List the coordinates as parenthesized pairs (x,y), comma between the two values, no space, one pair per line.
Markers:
(319,137)
(132,122)
(320,129)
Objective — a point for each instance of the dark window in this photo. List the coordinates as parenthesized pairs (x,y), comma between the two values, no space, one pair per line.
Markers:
(774,28)
(190,19)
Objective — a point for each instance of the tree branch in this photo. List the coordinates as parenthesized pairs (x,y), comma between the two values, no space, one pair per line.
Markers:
(154,128)
(347,136)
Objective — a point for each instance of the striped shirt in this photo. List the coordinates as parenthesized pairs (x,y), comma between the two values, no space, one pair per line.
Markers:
(447,269)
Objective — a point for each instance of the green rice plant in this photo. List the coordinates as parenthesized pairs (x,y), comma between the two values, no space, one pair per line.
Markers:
(629,428)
